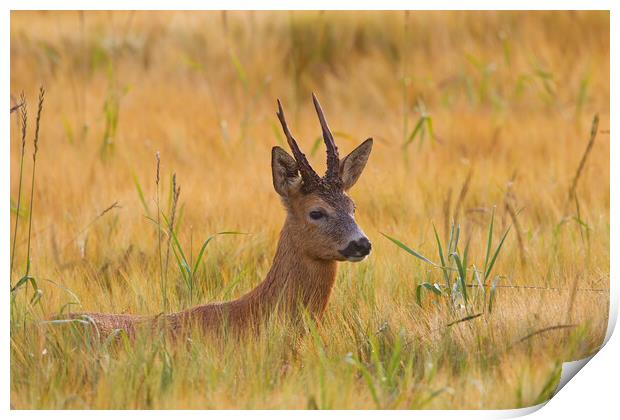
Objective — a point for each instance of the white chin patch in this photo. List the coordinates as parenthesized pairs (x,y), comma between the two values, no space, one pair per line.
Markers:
(356,259)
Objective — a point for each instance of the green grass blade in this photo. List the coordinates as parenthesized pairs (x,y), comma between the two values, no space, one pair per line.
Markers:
(179,219)
(204,246)
(456,239)
(315,146)
(140,194)
(430,287)
(461,273)
(448,250)
(21,282)
(418,295)
(433,288)
(241,74)
(489,241)
(376,358)
(409,250)
(492,262)
(176,246)
(429,126)
(415,131)
(550,386)
(466,253)
(343,135)
(175,240)
(451,238)
(446,274)
(183,267)
(492,293)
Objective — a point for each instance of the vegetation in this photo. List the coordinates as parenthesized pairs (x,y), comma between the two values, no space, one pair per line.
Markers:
(488,180)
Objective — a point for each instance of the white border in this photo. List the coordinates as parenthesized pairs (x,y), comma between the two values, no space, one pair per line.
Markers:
(594,392)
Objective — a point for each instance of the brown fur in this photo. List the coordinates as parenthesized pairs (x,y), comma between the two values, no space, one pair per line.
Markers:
(294,281)
(304,267)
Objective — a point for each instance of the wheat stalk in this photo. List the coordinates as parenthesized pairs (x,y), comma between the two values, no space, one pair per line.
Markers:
(176,191)
(34,167)
(161,270)
(24,125)
(582,163)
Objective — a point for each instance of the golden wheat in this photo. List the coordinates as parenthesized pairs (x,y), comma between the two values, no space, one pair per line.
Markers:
(493,106)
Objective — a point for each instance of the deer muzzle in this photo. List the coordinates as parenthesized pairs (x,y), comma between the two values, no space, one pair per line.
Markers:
(357,249)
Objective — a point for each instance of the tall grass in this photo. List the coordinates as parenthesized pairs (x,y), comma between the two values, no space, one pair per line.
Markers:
(573,185)
(27,278)
(162,277)
(450,319)
(24,125)
(457,264)
(35,143)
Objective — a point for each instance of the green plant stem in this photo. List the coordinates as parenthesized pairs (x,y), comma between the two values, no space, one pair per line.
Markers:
(34,167)
(162,282)
(24,115)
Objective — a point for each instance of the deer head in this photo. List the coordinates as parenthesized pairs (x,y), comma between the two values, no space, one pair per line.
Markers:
(320,214)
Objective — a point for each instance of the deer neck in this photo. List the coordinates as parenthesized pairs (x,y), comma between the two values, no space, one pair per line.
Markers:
(294,281)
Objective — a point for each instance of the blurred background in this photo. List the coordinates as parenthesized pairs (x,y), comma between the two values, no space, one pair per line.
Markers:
(470,112)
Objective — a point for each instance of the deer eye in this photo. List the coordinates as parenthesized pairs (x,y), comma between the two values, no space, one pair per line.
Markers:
(316,214)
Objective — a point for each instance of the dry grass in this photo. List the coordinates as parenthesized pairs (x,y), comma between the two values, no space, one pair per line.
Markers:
(508,97)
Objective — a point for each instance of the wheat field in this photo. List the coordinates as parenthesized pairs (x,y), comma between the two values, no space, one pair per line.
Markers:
(476,116)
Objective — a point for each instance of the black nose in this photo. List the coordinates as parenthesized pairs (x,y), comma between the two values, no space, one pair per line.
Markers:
(358,248)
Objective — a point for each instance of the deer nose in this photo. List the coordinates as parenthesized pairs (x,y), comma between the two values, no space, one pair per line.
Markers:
(358,248)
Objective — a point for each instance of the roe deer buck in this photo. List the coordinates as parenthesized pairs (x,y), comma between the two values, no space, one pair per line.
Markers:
(319,230)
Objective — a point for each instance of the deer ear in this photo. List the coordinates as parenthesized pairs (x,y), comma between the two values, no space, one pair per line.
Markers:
(285,172)
(352,166)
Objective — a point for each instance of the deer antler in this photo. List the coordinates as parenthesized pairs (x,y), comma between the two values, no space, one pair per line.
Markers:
(333,161)
(310,178)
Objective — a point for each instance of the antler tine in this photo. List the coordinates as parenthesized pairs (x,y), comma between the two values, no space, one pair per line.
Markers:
(307,173)
(333,160)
